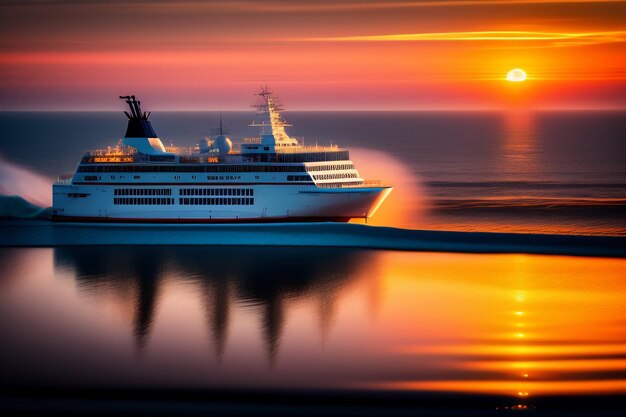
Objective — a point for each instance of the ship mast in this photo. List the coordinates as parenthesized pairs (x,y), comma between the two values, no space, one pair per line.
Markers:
(269,119)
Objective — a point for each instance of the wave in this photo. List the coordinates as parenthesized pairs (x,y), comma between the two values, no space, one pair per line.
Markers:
(524,184)
(15,207)
(407,202)
(534,203)
(19,181)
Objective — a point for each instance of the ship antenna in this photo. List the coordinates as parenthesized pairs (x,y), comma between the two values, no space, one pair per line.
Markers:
(135,108)
(221,129)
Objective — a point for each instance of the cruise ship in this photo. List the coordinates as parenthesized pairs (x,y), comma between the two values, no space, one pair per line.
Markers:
(269,178)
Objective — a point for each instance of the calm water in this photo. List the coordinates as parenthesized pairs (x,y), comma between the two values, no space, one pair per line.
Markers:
(520,326)
(550,172)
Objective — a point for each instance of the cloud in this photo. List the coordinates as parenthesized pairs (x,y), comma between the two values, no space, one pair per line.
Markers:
(238,6)
(554,38)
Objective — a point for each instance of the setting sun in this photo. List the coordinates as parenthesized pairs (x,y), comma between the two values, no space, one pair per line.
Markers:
(516,75)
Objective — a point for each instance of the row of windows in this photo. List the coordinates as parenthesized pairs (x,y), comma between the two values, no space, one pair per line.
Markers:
(333,167)
(334,176)
(298,178)
(253,147)
(143,201)
(238,201)
(313,156)
(142,191)
(289,157)
(340,184)
(162,158)
(217,191)
(191,168)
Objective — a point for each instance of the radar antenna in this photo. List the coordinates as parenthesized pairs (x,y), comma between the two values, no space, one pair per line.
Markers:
(221,131)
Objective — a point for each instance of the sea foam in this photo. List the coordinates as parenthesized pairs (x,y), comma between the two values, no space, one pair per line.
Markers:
(29,186)
(17,208)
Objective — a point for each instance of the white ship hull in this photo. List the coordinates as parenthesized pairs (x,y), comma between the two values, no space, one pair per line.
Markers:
(265,202)
(268,178)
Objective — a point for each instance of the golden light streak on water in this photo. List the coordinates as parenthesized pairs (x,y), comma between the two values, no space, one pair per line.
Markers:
(573,339)
(510,387)
(361,319)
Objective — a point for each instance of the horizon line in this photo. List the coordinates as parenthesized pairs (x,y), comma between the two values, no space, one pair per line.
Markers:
(415,109)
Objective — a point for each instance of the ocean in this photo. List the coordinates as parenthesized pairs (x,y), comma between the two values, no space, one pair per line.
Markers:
(271,329)
(249,328)
(527,172)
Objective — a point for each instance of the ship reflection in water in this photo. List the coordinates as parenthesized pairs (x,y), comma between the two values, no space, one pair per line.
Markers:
(520,326)
(262,282)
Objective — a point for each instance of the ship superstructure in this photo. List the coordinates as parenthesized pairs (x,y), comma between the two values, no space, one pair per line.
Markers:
(271,177)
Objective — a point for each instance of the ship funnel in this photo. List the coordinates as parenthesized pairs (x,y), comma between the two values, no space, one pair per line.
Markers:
(138,124)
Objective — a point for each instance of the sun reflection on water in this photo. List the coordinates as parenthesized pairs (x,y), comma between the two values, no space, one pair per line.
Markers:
(521,326)
(573,342)
(519,154)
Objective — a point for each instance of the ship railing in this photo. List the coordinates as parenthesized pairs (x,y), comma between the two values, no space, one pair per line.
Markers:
(295,148)
(355,184)
(127,151)
(311,149)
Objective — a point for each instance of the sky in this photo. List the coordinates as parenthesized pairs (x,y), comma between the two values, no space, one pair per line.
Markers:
(316,55)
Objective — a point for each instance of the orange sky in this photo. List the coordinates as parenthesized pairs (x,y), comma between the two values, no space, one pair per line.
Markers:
(447,54)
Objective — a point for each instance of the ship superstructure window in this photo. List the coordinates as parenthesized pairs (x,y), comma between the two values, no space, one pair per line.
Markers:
(216,201)
(280,157)
(333,167)
(298,178)
(313,156)
(162,158)
(134,201)
(339,184)
(238,192)
(192,168)
(334,176)
(142,191)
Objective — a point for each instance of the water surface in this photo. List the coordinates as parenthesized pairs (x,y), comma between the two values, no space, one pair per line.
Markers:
(519,326)
(529,172)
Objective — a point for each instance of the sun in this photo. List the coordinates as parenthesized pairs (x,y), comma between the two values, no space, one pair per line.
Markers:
(516,75)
